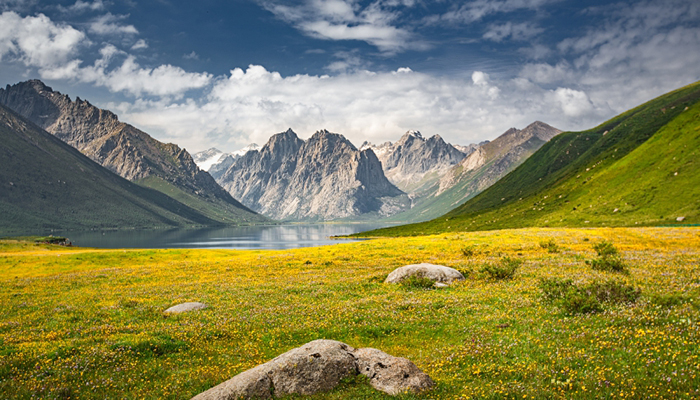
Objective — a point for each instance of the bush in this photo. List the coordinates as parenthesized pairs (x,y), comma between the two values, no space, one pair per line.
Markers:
(605,249)
(469,251)
(586,299)
(612,291)
(417,282)
(504,270)
(550,246)
(555,288)
(575,302)
(608,260)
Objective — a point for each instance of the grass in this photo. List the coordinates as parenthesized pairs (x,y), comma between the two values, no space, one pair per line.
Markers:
(640,168)
(85,323)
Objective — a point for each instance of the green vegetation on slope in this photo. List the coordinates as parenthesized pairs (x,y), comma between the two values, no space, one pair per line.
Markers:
(640,168)
(83,323)
(218,209)
(46,184)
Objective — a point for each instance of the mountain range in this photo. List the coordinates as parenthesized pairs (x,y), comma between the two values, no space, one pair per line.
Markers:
(45,184)
(640,168)
(125,150)
(323,178)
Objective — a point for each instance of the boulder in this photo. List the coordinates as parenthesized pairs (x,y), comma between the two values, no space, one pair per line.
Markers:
(437,273)
(680,219)
(185,307)
(319,366)
(392,375)
(315,367)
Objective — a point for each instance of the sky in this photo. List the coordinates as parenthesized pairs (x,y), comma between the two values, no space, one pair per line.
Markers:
(228,73)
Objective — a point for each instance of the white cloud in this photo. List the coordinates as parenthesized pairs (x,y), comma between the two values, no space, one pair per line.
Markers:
(348,20)
(37,41)
(574,103)
(191,56)
(473,11)
(140,44)
(635,53)
(521,32)
(52,48)
(250,105)
(82,6)
(108,24)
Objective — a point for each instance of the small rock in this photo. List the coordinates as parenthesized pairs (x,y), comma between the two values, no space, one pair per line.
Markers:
(185,307)
(437,273)
(680,219)
(392,375)
(615,210)
(440,285)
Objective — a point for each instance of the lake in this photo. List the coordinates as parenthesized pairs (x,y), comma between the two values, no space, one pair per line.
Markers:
(243,237)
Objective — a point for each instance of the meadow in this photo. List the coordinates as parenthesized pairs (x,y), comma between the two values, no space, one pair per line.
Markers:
(88,323)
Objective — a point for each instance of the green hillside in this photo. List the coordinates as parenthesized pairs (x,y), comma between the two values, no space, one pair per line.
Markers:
(47,184)
(640,168)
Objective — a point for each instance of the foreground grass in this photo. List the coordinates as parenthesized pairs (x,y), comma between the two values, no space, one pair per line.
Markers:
(82,323)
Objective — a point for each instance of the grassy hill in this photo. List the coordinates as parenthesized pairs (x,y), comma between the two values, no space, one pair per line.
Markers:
(640,168)
(47,184)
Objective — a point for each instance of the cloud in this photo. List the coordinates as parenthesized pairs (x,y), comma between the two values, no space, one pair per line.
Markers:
(635,52)
(473,11)
(140,44)
(191,56)
(82,6)
(52,48)
(17,5)
(108,24)
(37,41)
(252,104)
(348,20)
(522,31)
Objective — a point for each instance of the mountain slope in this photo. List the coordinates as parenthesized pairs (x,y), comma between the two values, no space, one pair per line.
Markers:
(125,150)
(640,168)
(47,184)
(414,163)
(485,165)
(323,178)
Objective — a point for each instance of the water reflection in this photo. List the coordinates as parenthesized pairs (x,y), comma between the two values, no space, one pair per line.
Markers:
(246,237)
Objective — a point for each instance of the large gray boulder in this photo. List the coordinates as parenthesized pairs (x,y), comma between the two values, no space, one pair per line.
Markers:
(319,366)
(185,307)
(315,367)
(392,375)
(437,273)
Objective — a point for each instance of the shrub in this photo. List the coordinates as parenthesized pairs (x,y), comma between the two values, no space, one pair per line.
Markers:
(574,302)
(469,251)
(417,282)
(613,291)
(586,299)
(605,249)
(550,246)
(608,260)
(504,270)
(555,288)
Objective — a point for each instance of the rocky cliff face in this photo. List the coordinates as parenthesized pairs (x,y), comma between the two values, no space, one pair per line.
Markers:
(493,160)
(323,178)
(413,162)
(488,162)
(118,146)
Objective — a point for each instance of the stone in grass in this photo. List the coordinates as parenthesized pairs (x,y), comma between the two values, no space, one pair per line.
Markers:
(437,273)
(680,219)
(392,375)
(319,366)
(185,307)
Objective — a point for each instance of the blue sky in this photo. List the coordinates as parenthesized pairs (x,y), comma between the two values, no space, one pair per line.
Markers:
(227,73)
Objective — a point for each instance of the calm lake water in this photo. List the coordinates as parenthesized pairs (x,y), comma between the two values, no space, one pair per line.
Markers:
(246,237)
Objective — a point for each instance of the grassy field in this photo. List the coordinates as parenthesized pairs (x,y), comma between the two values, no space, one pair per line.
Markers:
(84,323)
